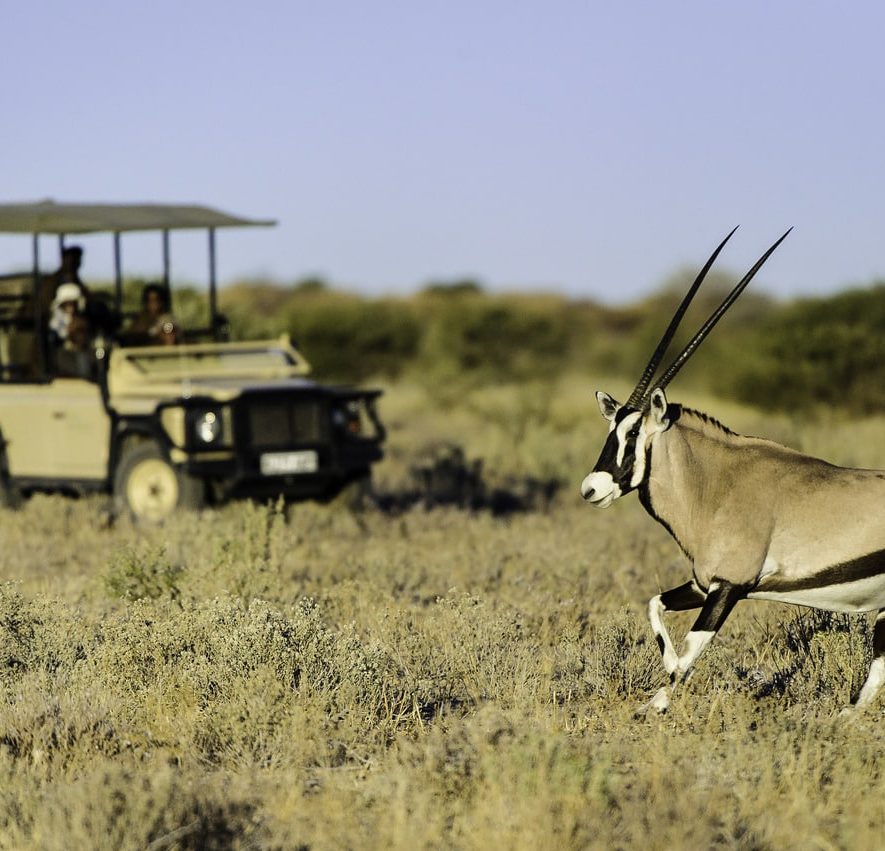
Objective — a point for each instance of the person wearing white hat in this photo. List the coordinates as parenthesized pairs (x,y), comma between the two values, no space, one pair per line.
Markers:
(69,329)
(68,271)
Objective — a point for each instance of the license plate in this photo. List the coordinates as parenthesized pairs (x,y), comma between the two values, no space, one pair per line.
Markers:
(285,463)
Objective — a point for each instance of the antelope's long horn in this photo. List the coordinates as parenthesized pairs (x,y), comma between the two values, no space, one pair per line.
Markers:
(639,392)
(708,326)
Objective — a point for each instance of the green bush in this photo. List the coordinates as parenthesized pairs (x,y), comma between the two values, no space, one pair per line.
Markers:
(349,338)
(815,352)
(444,333)
(146,573)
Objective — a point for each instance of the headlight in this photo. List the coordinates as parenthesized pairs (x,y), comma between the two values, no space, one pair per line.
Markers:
(207,427)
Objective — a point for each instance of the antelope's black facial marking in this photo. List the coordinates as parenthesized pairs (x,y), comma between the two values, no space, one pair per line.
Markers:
(614,473)
(624,461)
(618,457)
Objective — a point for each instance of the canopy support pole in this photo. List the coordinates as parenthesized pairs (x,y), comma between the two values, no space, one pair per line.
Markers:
(118,274)
(40,339)
(213,295)
(166,278)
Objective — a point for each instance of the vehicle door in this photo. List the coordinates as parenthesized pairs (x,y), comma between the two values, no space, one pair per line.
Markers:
(57,430)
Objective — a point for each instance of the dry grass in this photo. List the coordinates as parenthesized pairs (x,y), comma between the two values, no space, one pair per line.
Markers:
(260,677)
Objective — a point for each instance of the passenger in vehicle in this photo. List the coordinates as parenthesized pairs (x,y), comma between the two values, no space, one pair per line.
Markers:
(155,325)
(70,332)
(67,273)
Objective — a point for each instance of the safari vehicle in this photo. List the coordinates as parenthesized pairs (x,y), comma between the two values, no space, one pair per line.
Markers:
(163,427)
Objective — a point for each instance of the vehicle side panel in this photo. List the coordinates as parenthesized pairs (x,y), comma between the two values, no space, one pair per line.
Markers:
(58,430)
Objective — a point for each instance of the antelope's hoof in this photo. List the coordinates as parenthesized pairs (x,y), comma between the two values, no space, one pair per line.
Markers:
(658,705)
(848,715)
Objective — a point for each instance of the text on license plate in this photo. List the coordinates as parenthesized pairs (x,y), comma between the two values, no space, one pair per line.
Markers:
(284,463)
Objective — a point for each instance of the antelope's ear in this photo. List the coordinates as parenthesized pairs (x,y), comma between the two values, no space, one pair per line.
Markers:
(659,407)
(607,406)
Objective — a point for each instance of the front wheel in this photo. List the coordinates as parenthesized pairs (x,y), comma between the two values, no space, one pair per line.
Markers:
(150,488)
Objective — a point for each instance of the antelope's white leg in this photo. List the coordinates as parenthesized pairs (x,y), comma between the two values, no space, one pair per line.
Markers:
(680,599)
(874,682)
(720,600)
(695,642)
(660,703)
(876,676)
(656,611)
(685,597)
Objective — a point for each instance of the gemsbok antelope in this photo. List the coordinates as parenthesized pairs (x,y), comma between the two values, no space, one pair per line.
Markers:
(755,519)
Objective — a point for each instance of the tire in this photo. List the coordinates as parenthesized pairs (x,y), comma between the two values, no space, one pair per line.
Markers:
(9,494)
(150,488)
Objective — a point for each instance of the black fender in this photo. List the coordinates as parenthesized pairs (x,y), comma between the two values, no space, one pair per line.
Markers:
(125,427)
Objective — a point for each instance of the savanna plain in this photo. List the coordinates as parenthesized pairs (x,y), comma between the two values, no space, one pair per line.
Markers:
(315,677)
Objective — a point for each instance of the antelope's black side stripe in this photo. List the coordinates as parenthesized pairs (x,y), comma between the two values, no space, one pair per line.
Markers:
(864,567)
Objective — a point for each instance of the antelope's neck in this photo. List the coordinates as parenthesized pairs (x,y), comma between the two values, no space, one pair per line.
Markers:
(685,464)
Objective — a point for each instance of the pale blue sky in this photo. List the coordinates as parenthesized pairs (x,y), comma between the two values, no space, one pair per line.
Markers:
(588,147)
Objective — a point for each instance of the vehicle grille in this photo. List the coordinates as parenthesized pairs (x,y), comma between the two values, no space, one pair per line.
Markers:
(282,422)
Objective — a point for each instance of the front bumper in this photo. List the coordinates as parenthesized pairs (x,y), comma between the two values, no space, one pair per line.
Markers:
(268,423)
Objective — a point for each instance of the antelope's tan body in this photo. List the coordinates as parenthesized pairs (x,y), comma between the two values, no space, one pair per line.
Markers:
(771,517)
(756,519)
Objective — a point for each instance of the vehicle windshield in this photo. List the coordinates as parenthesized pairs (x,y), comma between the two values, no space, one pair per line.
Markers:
(193,361)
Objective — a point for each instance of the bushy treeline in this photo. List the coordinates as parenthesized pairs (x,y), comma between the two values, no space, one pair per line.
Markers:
(802,354)
(440,333)
(812,352)
(457,333)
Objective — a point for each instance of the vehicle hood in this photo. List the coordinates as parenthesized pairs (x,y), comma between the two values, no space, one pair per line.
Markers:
(220,389)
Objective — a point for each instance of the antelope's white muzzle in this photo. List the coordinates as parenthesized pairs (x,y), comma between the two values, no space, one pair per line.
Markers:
(599,489)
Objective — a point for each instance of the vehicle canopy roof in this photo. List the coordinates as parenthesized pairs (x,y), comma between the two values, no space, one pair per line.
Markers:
(51,217)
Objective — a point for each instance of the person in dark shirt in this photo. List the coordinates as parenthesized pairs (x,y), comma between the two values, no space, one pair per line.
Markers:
(155,325)
(67,273)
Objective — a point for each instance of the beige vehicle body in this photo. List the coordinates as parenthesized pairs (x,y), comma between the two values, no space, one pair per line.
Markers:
(55,430)
(163,427)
